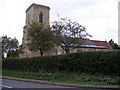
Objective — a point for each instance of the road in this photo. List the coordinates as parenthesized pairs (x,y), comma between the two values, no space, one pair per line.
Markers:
(22,84)
(7,83)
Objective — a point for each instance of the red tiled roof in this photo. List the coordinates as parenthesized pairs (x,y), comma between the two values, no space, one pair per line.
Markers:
(101,43)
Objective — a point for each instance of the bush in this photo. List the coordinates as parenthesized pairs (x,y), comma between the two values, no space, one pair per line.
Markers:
(95,62)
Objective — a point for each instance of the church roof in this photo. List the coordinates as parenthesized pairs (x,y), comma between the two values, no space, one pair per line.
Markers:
(92,44)
(85,46)
(102,43)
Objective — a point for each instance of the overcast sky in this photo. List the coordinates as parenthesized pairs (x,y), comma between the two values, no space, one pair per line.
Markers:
(100,17)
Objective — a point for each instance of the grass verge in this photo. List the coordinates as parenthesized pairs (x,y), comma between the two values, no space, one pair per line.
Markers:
(65,77)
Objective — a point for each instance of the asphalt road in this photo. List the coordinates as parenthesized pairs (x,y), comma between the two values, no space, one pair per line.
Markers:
(7,83)
(22,84)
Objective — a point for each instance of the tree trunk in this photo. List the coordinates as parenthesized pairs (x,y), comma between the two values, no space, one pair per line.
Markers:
(41,52)
(67,50)
(8,55)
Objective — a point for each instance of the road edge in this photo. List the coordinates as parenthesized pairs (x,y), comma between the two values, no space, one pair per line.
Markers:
(65,84)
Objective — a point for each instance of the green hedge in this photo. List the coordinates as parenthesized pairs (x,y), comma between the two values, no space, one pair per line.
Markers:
(100,62)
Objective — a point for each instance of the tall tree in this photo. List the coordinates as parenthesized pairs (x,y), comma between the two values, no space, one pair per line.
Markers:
(9,45)
(40,37)
(68,34)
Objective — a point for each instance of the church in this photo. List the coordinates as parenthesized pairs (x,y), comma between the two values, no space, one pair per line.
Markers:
(40,13)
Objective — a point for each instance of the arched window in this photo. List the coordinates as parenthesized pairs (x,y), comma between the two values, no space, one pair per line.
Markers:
(41,18)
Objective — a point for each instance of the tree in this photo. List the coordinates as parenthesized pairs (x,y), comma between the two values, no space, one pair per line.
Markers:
(40,37)
(13,53)
(113,45)
(68,34)
(111,42)
(9,45)
(20,50)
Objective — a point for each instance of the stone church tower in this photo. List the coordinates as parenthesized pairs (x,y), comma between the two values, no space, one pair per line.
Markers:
(34,13)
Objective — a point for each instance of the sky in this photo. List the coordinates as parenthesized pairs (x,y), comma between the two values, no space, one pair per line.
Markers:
(100,17)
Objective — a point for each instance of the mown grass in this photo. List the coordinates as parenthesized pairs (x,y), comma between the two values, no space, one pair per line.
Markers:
(66,77)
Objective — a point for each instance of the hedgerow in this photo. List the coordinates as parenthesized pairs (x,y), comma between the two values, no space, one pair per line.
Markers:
(95,62)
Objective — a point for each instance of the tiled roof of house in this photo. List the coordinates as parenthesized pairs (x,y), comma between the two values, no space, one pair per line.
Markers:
(102,43)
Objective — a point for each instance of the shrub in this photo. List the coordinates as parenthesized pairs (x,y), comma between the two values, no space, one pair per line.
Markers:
(95,62)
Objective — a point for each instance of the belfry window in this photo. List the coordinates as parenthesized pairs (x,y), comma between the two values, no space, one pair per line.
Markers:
(41,18)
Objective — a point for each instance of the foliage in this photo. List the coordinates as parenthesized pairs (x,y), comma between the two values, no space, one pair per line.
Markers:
(9,46)
(113,44)
(68,33)
(14,53)
(66,77)
(40,37)
(97,62)
(20,50)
